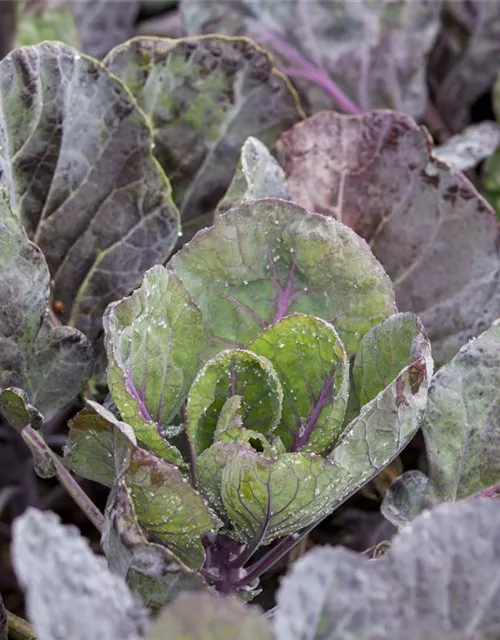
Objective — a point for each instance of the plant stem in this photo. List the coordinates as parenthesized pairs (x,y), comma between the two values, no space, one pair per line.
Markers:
(18,628)
(65,478)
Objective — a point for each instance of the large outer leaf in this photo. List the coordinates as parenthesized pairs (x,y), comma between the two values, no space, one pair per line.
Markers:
(155,341)
(267,259)
(51,365)
(374,49)
(269,498)
(234,372)
(75,154)
(169,510)
(70,592)
(203,616)
(442,574)
(150,569)
(466,58)
(258,176)
(313,369)
(462,426)
(204,98)
(375,173)
(99,446)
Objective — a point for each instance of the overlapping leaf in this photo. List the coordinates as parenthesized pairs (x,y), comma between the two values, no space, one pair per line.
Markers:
(375,173)
(438,580)
(312,366)
(75,155)
(204,97)
(168,509)
(268,259)
(374,50)
(50,365)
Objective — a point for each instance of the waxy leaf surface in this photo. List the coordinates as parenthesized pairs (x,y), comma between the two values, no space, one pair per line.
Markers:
(235,372)
(313,369)
(76,158)
(50,365)
(440,574)
(274,497)
(268,259)
(259,175)
(70,592)
(168,509)
(204,97)
(376,173)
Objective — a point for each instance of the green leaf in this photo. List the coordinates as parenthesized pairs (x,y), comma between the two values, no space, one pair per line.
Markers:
(99,447)
(168,509)
(46,22)
(204,97)
(101,216)
(230,416)
(50,365)
(269,498)
(150,569)
(490,177)
(155,340)
(204,616)
(257,176)
(408,495)
(58,572)
(312,366)
(234,372)
(461,429)
(267,259)
(420,216)
(385,351)
(16,409)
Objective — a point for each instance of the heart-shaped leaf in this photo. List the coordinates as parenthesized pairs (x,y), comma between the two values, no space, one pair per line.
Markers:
(269,498)
(99,447)
(439,575)
(312,366)
(234,372)
(50,365)
(155,341)
(168,509)
(101,216)
(258,176)
(150,569)
(204,97)
(267,259)
(419,216)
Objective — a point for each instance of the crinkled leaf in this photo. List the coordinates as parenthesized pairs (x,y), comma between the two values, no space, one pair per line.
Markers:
(150,569)
(168,509)
(406,498)
(376,173)
(204,616)
(70,592)
(155,341)
(442,573)
(471,146)
(103,24)
(257,176)
(270,498)
(99,446)
(385,351)
(375,51)
(462,425)
(384,426)
(234,372)
(50,365)
(16,409)
(466,58)
(267,259)
(204,98)
(102,215)
(40,21)
(312,366)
